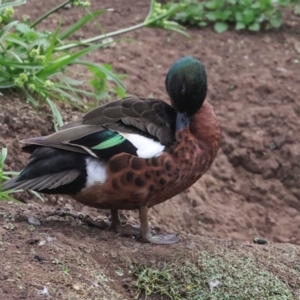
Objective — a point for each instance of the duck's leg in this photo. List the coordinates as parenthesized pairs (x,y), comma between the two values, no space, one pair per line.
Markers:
(165,239)
(125,230)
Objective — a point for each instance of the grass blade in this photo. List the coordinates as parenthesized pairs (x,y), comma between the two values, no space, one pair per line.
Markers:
(64,61)
(80,23)
(20,65)
(51,48)
(36,194)
(15,3)
(104,70)
(57,118)
(6,85)
(17,42)
(6,28)
(50,12)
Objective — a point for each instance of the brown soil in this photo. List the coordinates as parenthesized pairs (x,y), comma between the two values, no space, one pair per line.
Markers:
(252,188)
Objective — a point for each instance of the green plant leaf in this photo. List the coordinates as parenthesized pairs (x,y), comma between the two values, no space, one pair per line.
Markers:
(12,3)
(57,118)
(6,85)
(214,4)
(107,72)
(80,23)
(52,45)
(65,60)
(240,26)
(220,27)
(211,16)
(6,28)
(16,41)
(276,19)
(254,27)
(21,65)
(248,16)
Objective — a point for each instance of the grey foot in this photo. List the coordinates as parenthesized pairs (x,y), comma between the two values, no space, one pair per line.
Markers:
(165,239)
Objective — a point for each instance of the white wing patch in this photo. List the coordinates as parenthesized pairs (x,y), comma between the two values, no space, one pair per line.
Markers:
(146,148)
(96,171)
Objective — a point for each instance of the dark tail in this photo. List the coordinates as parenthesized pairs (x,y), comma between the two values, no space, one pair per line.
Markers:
(51,171)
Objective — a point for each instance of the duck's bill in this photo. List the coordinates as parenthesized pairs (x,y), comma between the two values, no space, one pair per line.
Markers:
(182,121)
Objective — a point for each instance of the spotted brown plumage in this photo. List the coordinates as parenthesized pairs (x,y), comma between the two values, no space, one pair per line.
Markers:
(132,153)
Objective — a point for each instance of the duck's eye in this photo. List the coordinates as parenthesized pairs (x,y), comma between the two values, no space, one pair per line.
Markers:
(182,92)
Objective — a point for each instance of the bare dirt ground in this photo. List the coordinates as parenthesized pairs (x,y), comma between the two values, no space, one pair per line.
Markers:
(253,188)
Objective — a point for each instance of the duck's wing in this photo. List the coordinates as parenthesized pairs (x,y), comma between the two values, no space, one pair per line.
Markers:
(151,117)
(142,127)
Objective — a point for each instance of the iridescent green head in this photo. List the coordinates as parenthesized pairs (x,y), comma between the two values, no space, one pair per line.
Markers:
(186,84)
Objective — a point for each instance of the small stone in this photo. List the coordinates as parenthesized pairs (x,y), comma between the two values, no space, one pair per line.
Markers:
(45,292)
(33,241)
(260,241)
(34,221)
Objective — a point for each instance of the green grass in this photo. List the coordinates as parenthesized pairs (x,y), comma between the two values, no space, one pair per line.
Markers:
(242,14)
(223,276)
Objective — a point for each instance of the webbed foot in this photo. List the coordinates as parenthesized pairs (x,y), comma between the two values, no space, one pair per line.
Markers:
(164,239)
(147,237)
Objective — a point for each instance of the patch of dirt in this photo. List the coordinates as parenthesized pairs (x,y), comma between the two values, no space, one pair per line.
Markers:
(61,258)
(253,187)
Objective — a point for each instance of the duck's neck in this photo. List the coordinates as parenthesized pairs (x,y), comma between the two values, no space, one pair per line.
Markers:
(205,127)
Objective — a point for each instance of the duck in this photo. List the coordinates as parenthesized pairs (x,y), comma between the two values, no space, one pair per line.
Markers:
(130,154)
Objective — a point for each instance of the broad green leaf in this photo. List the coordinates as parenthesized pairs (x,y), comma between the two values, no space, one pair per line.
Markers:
(214,4)
(276,19)
(248,16)
(220,27)
(211,16)
(202,24)
(240,26)
(239,16)
(23,28)
(254,27)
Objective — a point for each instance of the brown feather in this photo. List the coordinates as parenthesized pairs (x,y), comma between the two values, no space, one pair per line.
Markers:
(130,115)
